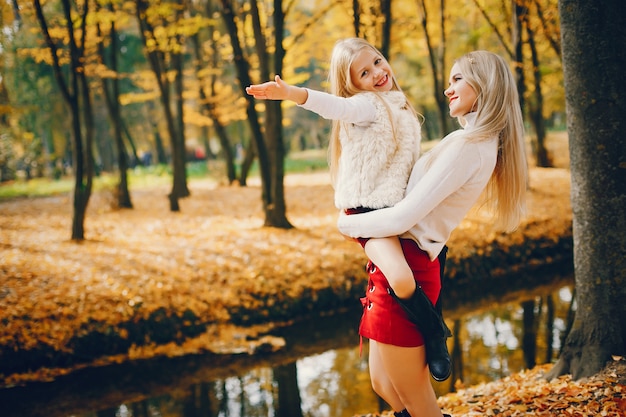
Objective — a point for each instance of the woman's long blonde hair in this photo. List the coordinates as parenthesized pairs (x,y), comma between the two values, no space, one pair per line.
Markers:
(344,53)
(499,114)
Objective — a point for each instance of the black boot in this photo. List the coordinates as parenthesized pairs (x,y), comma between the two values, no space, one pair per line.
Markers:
(423,314)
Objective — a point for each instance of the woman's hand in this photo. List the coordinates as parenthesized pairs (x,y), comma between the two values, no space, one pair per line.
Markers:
(277,90)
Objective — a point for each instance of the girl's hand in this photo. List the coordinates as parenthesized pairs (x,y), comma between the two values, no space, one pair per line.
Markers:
(277,90)
(271,90)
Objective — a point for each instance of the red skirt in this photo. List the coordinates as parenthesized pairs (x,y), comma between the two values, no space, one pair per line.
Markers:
(383,319)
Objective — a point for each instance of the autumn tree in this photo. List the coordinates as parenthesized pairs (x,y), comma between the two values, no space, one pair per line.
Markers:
(269,145)
(372,20)
(164,44)
(593,36)
(111,89)
(437,61)
(75,91)
(528,18)
(207,54)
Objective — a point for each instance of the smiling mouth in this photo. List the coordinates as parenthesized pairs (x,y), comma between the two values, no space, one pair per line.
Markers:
(382,81)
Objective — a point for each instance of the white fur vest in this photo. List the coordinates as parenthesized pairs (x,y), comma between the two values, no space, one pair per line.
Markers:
(374,167)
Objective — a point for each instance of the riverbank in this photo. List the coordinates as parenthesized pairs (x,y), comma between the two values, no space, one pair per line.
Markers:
(148,282)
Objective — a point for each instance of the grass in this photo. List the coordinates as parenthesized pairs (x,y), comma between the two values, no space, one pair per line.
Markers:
(41,187)
(156,175)
(159,175)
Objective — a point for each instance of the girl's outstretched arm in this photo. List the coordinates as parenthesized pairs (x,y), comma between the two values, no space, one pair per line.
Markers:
(278,90)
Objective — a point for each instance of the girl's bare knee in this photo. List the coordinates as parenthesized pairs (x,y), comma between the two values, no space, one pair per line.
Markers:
(402,282)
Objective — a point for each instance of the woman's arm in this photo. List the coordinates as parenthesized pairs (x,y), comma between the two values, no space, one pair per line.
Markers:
(447,174)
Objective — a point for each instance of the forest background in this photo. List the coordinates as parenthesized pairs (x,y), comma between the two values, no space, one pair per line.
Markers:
(158,85)
(162,82)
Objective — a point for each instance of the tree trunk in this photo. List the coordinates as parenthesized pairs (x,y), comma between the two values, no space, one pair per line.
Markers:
(593,38)
(111,95)
(519,14)
(133,149)
(289,401)
(209,105)
(275,211)
(246,164)
(549,329)
(174,124)
(179,183)
(535,107)
(356,18)
(437,66)
(82,156)
(457,354)
(529,338)
(385,11)
(270,156)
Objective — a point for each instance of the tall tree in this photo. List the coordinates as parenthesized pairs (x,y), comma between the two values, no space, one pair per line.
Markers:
(207,89)
(111,89)
(593,35)
(269,146)
(436,58)
(164,48)
(385,11)
(535,105)
(73,91)
(520,23)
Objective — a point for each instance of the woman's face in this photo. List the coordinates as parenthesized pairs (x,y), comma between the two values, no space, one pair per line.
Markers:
(371,72)
(461,95)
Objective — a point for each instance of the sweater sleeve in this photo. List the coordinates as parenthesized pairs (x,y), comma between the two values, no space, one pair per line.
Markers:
(356,109)
(447,174)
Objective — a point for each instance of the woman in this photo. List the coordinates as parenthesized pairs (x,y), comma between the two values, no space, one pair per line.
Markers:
(486,156)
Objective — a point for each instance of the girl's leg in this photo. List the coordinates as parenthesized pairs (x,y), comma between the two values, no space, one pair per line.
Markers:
(407,373)
(386,253)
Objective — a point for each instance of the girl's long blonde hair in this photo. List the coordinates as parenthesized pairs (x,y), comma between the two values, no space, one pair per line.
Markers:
(344,53)
(499,114)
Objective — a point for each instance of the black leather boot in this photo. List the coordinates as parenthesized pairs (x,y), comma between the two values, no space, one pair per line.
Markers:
(423,314)
(429,320)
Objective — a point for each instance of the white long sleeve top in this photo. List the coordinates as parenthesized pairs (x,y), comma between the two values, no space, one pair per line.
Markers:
(439,194)
(373,167)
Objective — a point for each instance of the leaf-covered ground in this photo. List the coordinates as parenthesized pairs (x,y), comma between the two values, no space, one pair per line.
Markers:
(150,282)
(147,277)
(528,393)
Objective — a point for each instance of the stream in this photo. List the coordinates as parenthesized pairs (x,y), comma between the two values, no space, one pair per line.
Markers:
(320,373)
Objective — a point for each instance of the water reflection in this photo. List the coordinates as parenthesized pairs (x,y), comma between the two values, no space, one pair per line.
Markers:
(321,373)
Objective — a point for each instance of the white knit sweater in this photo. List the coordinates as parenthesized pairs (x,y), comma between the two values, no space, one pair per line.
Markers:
(374,167)
(440,192)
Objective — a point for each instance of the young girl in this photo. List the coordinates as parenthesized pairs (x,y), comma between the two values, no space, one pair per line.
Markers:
(487,154)
(374,143)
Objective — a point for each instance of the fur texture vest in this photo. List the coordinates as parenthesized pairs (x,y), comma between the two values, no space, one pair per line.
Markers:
(374,167)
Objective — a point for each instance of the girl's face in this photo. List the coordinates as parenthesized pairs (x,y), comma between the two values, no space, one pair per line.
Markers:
(461,95)
(371,72)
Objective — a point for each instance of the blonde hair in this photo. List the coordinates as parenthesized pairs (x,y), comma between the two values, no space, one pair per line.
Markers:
(341,84)
(499,114)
